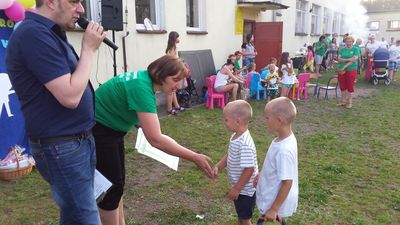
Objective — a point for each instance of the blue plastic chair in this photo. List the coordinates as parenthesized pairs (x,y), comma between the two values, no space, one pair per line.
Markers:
(264,73)
(256,87)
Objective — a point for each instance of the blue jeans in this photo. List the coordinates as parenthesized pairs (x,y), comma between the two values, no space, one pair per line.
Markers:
(247,61)
(68,166)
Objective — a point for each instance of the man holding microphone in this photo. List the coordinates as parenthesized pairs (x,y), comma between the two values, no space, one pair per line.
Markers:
(52,84)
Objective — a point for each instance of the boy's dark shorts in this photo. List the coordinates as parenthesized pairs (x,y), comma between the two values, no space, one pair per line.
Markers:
(244,206)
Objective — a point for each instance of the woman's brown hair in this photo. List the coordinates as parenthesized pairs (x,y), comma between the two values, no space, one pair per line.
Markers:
(166,66)
(173,35)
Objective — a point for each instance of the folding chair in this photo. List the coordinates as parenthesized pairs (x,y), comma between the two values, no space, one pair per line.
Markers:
(313,82)
(332,85)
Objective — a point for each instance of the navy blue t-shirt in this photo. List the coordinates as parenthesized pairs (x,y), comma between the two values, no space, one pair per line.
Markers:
(38,52)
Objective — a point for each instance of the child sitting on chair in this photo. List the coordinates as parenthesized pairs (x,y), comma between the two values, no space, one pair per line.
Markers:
(241,160)
(272,80)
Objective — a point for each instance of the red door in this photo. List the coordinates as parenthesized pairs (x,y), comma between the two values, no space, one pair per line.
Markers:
(268,42)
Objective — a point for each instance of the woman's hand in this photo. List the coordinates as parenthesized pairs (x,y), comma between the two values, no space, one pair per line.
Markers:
(203,162)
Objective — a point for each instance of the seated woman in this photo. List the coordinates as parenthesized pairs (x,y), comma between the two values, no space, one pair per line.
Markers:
(221,82)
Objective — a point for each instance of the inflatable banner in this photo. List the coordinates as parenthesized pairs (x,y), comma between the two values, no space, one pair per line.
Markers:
(12,130)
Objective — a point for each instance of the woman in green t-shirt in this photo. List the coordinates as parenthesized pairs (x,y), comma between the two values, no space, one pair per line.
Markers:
(348,60)
(127,100)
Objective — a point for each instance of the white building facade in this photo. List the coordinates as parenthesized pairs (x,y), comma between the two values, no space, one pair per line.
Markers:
(204,24)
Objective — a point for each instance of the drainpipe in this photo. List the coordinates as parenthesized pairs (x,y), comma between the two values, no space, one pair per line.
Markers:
(123,40)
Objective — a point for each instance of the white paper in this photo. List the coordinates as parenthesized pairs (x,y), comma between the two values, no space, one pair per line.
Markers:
(145,148)
(101,185)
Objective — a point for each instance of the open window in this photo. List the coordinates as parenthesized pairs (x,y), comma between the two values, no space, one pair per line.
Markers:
(150,15)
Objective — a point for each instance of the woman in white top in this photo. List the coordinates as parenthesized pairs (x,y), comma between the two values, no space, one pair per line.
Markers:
(221,82)
(287,74)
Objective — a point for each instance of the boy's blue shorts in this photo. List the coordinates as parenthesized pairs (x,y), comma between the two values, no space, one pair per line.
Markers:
(244,206)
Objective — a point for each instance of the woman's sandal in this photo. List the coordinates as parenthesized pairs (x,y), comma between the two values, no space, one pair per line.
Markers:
(172,112)
(180,109)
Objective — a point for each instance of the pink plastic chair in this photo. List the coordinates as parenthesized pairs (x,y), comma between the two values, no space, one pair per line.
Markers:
(248,79)
(302,87)
(212,95)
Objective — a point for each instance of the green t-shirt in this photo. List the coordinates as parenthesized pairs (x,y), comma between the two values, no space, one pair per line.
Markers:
(322,50)
(237,65)
(328,40)
(347,53)
(118,100)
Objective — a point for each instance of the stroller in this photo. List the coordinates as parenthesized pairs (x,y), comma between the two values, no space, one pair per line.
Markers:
(299,62)
(380,67)
(185,94)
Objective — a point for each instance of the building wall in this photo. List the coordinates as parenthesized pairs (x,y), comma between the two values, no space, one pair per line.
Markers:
(143,48)
(383,18)
(291,41)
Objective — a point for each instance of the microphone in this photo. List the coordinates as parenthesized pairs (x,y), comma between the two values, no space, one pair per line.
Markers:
(84,23)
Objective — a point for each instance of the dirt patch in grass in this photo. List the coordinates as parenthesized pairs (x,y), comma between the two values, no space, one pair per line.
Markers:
(364,92)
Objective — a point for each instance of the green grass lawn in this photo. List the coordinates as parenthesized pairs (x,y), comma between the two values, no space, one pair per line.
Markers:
(348,168)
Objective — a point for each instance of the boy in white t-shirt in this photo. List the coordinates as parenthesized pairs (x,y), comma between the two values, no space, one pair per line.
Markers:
(241,160)
(277,183)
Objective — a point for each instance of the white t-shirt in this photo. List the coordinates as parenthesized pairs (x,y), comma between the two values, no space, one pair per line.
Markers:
(242,154)
(286,79)
(371,47)
(384,44)
(221,79)
(394,53)
(280,164)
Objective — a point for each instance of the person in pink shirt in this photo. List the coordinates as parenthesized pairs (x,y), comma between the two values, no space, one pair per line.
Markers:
(310,59)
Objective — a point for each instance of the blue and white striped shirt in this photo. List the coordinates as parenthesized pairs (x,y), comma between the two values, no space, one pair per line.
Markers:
(242,154)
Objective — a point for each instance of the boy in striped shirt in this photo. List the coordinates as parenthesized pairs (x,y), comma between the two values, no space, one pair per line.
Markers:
(241,159)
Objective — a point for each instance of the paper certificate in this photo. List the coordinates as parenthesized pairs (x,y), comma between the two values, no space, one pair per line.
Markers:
(101,185)
(145,148)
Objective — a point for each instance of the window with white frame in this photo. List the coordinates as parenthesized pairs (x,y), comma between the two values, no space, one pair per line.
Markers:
(374,25)
(393,25)
(316,19)
(195,15)
(301,12)
(327,22)
(336,23)
(92,10)
(149,14)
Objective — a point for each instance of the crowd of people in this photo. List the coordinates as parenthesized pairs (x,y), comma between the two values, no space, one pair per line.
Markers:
(346,58)
(74,130)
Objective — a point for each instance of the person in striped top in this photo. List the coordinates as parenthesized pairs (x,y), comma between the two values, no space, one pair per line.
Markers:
(241,159)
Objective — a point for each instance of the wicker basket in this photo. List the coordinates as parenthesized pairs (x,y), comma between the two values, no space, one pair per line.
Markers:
(12,174)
